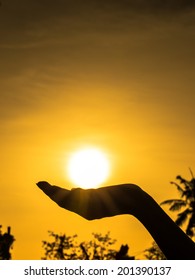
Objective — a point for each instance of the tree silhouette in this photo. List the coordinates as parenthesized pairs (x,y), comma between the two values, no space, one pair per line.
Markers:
(154,253)
(6,242)
(63,247)
(186,189)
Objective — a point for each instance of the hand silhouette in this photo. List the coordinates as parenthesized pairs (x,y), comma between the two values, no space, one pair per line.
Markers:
(126,199)
(96,203)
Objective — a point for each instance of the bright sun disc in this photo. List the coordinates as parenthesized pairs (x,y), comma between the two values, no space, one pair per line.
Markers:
(88,168)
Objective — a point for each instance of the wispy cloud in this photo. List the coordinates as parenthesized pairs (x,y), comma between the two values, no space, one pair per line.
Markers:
(31,23)
(64,37)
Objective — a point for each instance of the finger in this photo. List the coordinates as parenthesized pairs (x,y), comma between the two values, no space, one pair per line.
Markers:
(85,203)
(75,200)
(57,194)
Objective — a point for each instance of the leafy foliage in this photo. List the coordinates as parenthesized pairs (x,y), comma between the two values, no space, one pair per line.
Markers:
(64,247)
(6,242)
(154,253)
(186,204)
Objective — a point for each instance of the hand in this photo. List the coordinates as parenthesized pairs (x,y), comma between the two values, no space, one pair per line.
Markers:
(96,203)
(126,199)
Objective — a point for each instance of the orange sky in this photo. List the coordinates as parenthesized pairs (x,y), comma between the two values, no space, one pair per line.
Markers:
(117,75)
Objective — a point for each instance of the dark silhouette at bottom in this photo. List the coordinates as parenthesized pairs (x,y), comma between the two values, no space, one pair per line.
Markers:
(6,242)
(126,199)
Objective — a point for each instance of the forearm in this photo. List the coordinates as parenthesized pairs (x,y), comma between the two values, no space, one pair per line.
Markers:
(173,242)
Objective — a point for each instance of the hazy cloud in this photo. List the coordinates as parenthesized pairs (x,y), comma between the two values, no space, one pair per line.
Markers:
(89,37)
(30,24)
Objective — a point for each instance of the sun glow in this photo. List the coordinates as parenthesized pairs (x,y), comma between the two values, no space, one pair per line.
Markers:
(88,168)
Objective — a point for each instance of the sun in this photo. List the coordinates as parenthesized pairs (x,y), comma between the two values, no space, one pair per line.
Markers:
(88,168)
